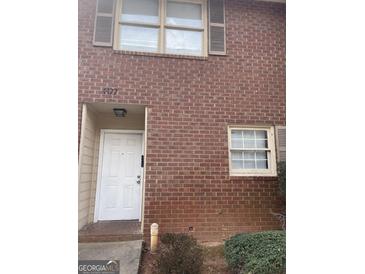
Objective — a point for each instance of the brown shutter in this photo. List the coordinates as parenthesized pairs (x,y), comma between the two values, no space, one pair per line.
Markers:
(281,143)
(104,23)
(217,29)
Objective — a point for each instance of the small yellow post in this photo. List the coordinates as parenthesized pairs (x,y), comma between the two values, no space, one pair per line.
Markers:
(154,237)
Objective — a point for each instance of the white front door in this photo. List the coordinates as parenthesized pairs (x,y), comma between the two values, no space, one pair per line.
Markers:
(121,177)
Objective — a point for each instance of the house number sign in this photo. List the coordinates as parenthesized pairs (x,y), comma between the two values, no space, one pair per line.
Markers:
(110,91)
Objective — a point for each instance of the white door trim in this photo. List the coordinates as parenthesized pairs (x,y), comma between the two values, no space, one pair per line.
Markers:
(100,163)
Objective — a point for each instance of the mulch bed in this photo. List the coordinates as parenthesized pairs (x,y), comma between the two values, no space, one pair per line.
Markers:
(214,262)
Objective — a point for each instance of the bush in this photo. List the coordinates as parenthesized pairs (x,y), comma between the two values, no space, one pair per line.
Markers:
(256,253)
(179,254)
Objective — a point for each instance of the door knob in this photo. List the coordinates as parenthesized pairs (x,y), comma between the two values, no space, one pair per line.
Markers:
(138,179)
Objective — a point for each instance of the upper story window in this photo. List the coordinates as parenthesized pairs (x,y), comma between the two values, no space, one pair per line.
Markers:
(181,27)
(252,151)
(162,26)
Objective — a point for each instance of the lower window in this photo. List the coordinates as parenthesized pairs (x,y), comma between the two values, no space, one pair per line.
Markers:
(252,151)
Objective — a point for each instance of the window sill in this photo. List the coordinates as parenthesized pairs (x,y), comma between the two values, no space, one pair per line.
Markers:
(163,55)
(268,174)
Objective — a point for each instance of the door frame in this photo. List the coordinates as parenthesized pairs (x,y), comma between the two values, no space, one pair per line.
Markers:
(100,164)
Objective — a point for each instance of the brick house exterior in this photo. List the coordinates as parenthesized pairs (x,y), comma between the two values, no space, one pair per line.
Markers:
(189,104)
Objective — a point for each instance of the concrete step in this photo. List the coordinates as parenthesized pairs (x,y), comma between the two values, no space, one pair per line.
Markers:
(111,231)
(109,238)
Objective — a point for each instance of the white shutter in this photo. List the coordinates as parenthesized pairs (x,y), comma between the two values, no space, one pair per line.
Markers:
(104,23)
(281,143)
(217,29)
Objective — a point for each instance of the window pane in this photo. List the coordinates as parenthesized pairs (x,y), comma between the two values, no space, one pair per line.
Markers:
(261,155)
(262,164)
(237,164)
(248,134)
(184,42)
(140,11)
(249,143)
(236,155)
(261,134)
(236,134)
(261,143)
(184,14)
(236,143)
(138,38)
(249,164)
(249,155)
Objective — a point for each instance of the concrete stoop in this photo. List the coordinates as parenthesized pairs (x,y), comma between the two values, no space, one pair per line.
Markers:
(128,253)
(111,231)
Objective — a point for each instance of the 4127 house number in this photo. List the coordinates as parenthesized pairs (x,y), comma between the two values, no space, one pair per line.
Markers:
(110,91)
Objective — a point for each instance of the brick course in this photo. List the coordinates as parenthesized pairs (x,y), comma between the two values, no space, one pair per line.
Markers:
(191,101)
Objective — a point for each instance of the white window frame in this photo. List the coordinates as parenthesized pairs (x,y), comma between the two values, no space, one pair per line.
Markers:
(271,171)
(163,26)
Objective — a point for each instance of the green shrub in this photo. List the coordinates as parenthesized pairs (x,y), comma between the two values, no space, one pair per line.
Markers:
(256,253)
(179,254)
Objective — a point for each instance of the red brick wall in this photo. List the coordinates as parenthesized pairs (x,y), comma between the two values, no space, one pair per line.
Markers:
(191,103)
